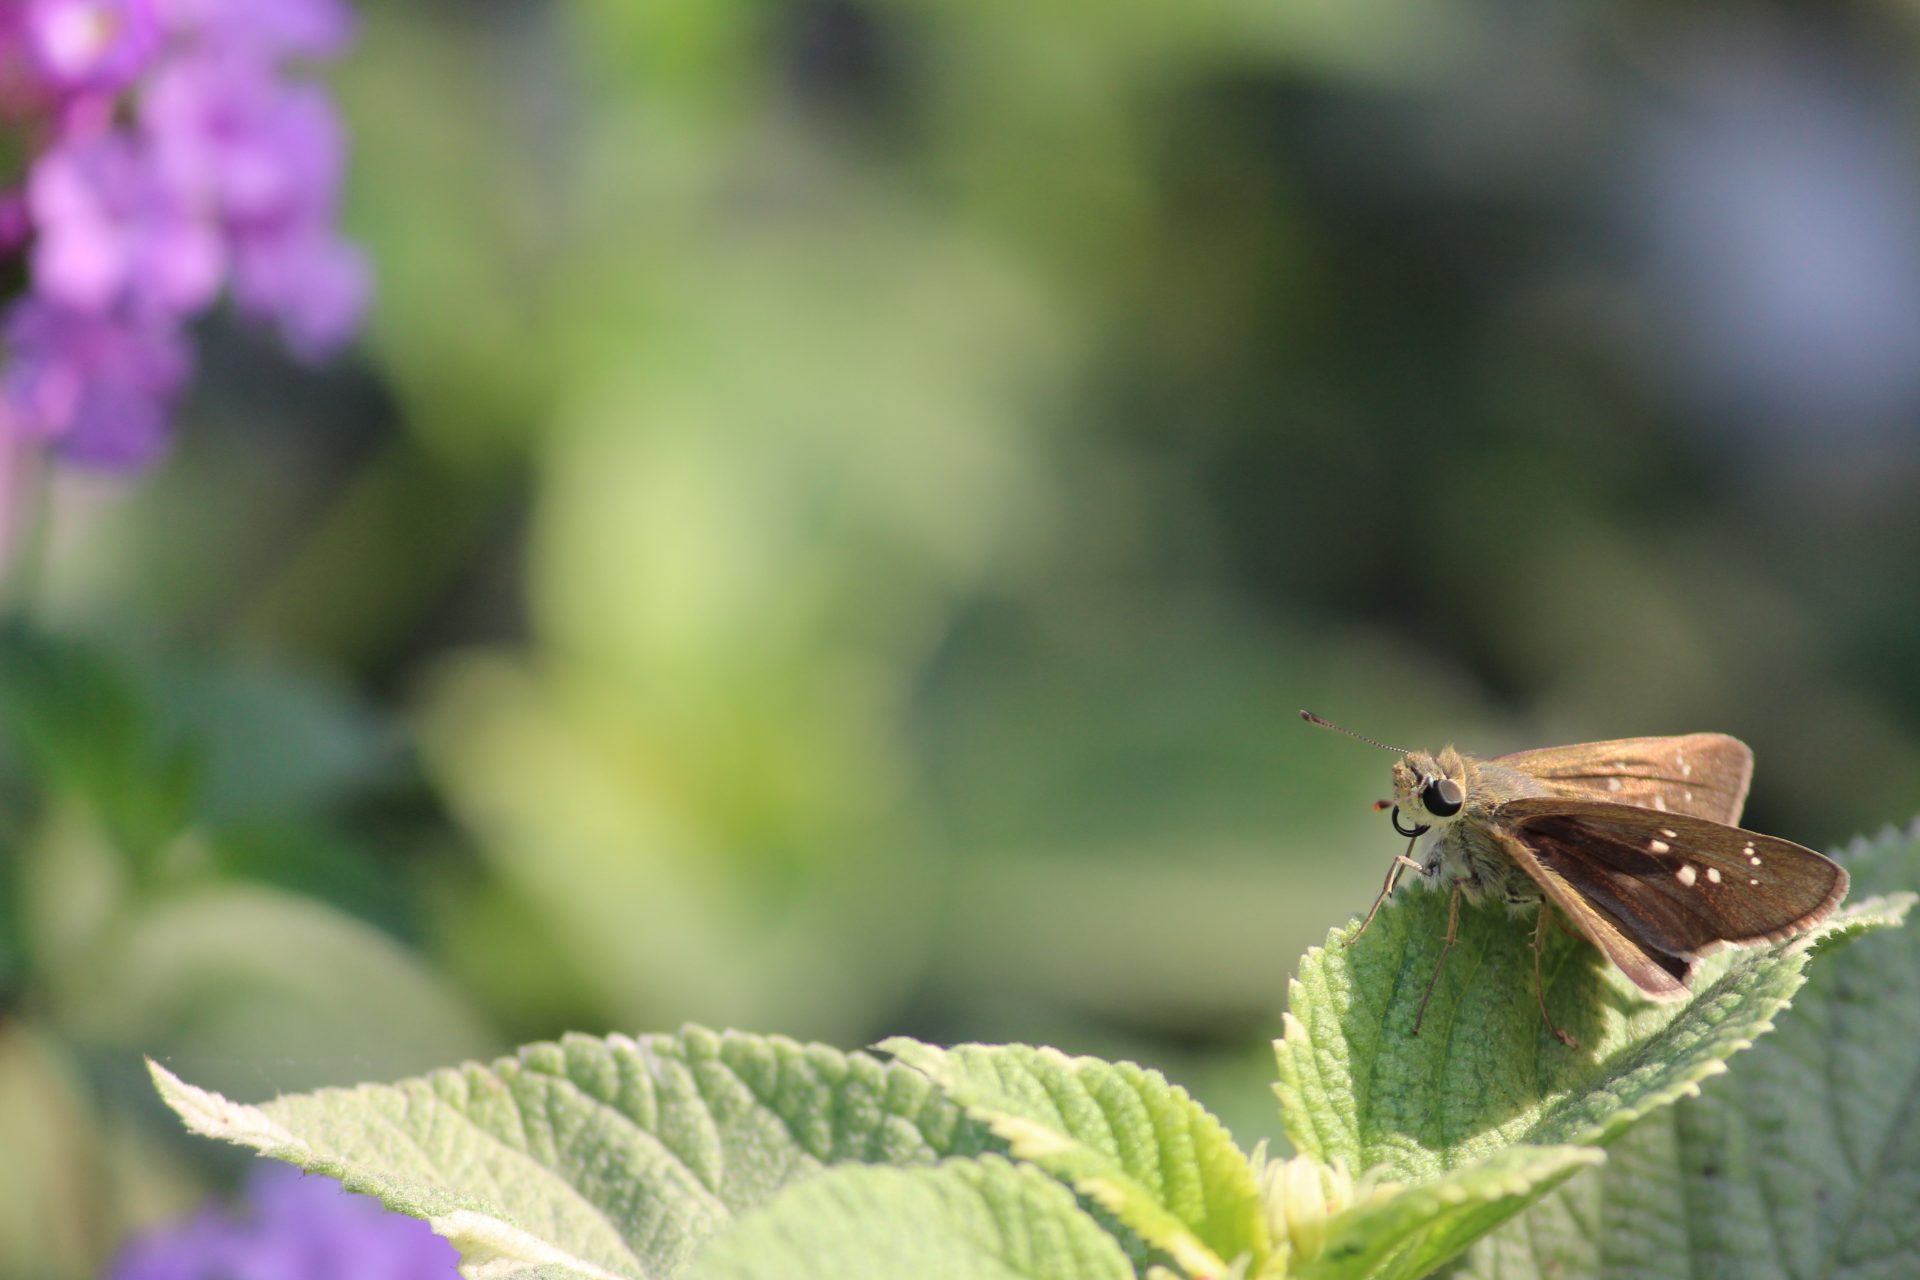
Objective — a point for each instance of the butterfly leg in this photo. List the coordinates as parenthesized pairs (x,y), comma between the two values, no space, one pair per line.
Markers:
(1399,864)
(1453,931)
(1539,987)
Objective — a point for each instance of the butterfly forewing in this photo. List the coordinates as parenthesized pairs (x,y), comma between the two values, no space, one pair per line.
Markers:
(1673,885)
(1702,774)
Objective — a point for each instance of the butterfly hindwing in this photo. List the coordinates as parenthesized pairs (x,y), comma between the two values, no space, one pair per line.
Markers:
(1674,886)
(1659,974)
(1702,774)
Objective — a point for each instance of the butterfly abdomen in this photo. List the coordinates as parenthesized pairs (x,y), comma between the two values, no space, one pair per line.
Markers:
(1465,855)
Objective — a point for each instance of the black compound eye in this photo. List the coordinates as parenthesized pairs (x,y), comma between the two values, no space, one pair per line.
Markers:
(1442,797)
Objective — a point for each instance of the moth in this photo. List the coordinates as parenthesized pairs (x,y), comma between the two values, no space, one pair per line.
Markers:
(1635,841)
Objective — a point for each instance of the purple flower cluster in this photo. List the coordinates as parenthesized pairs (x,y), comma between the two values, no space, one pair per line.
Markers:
(301,1227)
(167,156)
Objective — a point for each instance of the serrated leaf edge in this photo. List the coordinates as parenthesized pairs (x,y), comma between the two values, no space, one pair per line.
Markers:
(1031,1141)
(1865,916)
(1122,1197)
(489,1247)
(1484,1181)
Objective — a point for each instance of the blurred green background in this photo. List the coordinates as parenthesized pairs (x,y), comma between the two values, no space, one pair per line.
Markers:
(842,499)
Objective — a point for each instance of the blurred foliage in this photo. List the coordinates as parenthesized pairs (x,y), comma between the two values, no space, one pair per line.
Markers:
(182,881)
(832,483)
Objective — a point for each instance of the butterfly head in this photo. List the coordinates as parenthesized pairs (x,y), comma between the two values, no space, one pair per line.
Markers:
(1430,789)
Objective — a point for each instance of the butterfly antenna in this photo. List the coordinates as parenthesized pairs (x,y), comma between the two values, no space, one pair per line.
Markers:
(1311,718)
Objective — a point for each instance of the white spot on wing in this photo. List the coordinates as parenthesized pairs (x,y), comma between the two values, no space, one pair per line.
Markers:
(1686,875)
(1659,802)
(1671,834)
(1613,784)
(1658,846)
(1753,882)
(1713,874)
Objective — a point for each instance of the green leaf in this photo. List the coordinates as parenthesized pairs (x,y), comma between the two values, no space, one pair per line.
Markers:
(81,724)
(1358,1088)
(602,1157)
(1804,1162)
(1357,1085)
(982,1219)
(1415,1229)
(1122,1135)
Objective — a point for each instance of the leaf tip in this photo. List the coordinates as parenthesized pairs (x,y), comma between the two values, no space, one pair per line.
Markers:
(214,1116)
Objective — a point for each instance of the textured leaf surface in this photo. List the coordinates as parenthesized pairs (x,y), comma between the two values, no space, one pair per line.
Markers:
(600,1157)
(980,1219)
(1357,1085)
(1803,1163)
(1140,1146)
(1421,1226)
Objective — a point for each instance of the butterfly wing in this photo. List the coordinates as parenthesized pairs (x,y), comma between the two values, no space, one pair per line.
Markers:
(1657,890)
(1702,774)
(1657,973)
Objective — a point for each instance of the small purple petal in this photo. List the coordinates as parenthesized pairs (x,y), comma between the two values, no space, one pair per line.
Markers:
(290,28)
(301,1228)
(91,44)
(232,138)
(193,1250)
(314,285)
(112,233)
(99,389)
(24,93)
(228,173)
